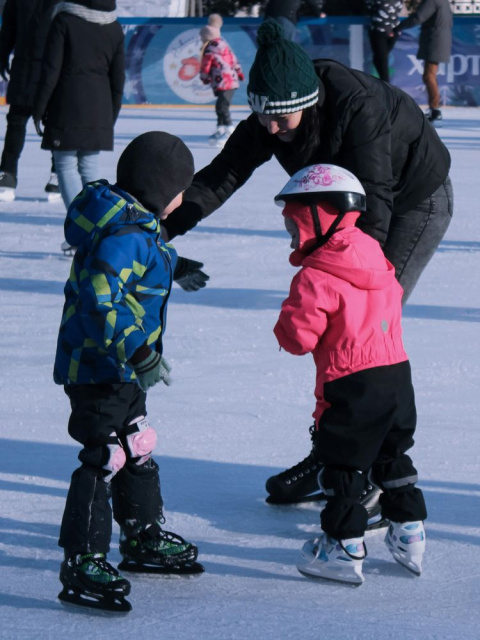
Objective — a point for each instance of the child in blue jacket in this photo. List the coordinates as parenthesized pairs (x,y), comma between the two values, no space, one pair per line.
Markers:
(109,353)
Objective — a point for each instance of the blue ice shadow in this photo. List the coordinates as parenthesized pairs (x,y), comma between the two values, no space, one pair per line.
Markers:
(435,312)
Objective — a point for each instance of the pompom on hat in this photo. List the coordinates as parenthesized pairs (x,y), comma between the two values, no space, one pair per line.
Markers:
(215,20)
(282,78)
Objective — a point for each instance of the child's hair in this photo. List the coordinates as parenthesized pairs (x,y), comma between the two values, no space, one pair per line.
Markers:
(154,168)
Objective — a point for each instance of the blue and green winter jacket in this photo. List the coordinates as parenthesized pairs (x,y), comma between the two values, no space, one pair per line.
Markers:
(117,293)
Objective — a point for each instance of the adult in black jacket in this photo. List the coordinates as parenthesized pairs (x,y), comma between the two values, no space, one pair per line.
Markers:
(326,113)
(80,92)
(23,32)
(344,117)
(285,12)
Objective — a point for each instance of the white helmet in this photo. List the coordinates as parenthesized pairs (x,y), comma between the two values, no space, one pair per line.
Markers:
(327,183)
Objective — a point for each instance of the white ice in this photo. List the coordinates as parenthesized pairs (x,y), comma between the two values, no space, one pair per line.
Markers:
(238,411)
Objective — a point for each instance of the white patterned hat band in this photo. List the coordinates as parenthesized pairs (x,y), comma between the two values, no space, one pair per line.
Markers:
(261,104)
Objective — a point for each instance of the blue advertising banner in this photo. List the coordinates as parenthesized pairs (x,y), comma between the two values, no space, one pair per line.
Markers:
(163,57)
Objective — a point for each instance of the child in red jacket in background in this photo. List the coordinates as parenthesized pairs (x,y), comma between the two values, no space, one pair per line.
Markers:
(219,68)
(344,307)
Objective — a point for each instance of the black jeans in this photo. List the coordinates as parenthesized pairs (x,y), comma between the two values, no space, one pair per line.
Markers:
(381,44)
(222,107)
(17,119)
(98,411)
(414,236)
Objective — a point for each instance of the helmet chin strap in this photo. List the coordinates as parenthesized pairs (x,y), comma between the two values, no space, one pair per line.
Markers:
(320,237)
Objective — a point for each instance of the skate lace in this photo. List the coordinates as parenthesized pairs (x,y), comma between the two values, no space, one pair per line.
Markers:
(350,555)
(302,468)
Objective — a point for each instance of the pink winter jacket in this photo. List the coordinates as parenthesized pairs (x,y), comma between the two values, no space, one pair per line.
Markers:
(344,306)
(219,66)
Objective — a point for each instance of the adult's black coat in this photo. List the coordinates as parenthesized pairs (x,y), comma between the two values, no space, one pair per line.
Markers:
(81,86)
(373,129)
(289,8)
(23,33)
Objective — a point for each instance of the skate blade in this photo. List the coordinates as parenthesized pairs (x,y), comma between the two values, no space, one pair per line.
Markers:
(314,497)
(116,604)
(191,569)
(7,196)
(379,524)
(415,572)
(346,583)
(54,197)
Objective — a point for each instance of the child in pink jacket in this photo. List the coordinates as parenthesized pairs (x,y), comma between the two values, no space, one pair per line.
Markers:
(219,68)
(344,307)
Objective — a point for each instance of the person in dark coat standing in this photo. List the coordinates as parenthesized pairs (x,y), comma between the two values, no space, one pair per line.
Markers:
(80,92)
(323,112)
(23,32)
(384,16)
(435,45)
(285,12)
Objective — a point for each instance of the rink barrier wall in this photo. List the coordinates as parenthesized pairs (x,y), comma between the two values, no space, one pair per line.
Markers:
(162,58)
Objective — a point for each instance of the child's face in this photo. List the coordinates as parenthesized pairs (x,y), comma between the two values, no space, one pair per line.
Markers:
(292,229)
(176,202)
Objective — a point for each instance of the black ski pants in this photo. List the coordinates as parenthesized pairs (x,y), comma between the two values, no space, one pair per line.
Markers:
(98,411)
(368,428)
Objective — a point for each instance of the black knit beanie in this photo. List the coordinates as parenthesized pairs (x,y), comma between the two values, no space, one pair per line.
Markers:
(154,168)
(282,78)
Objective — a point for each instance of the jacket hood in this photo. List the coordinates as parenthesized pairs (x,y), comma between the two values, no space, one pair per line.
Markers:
(100,208)
(354,257)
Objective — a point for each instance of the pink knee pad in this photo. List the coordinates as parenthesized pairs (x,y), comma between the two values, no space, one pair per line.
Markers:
(116,458)
(142,441)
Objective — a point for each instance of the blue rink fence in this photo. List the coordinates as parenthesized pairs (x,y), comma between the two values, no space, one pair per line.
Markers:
(162,57)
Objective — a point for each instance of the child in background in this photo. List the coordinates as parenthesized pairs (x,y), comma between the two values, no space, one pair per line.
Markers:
(220,69)
(344,307)
(109,353)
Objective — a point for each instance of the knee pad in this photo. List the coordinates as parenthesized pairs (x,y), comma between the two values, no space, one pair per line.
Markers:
(140,440)
(347,483)
(116,457)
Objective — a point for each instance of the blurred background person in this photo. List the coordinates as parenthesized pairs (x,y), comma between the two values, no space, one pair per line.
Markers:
(80,92)
(24,27)
(285,12)
(384,17)
(435,44)
(220,69)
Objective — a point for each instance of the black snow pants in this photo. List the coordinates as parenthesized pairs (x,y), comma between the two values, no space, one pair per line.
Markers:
(367,429)
(101,414)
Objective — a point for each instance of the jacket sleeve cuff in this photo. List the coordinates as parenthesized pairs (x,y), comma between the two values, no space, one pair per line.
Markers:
(140,354)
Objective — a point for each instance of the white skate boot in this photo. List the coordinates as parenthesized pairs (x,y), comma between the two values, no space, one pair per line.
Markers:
(339,560)
(406,543)
(219,138)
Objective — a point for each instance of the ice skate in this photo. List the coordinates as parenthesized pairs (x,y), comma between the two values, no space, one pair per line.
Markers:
(51,188)
(8,184)
(156,551)
(219,138)
(67,249)
(433,115)
(406,543)
(330,559)
(298,483)
(90,581)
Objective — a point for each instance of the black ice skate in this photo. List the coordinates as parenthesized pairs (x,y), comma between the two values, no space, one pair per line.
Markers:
(90,581)
(298,483)
(156,551)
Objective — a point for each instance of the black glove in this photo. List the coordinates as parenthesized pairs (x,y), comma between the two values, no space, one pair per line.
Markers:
(4,70)
(188,274)
(38,126)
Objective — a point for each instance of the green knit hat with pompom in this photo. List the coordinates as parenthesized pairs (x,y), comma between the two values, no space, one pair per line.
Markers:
(282,78)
